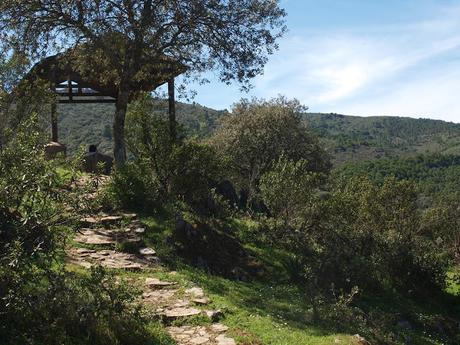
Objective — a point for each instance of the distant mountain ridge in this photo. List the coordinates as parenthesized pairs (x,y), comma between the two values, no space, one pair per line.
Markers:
(347,138)
(354,138)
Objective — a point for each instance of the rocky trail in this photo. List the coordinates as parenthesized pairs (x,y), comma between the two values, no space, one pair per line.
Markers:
(99,241)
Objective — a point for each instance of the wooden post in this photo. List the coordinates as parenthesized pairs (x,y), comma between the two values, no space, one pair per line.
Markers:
(54,123)
(172,111)
(70,89)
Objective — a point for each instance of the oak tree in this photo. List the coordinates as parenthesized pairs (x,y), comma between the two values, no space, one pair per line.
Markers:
(233,37)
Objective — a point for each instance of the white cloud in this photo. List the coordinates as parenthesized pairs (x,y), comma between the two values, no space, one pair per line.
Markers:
(357,69)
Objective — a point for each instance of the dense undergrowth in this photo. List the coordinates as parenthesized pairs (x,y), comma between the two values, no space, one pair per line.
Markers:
(341,248)
(290,253)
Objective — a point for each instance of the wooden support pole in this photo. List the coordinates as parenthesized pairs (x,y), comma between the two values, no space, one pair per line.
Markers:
(172,111)
(54,123)
(70,86)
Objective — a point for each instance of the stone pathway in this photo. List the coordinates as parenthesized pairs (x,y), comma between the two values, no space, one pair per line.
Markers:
(165,298)
(197,335)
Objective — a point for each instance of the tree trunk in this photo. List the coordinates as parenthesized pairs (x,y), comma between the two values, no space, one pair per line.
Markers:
(119,148)
(172,111)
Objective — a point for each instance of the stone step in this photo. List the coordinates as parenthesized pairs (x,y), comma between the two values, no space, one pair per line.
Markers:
(104,220)
(110,219)
(104,236)
(154,283)
(107,258)
(201,335)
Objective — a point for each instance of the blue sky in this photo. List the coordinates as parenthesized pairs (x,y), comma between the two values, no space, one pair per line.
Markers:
(362,57)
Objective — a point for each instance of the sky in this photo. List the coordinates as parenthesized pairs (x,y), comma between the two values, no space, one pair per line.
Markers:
(361,57)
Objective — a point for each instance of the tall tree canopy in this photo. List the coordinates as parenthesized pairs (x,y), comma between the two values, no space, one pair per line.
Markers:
(233,37)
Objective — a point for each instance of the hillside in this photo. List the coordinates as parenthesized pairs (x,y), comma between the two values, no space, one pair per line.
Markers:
(81,125)
(347,138)
(353,138)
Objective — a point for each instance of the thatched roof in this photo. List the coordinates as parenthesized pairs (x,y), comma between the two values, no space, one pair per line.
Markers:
(89,76)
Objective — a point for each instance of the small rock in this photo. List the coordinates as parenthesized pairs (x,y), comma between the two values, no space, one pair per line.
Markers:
(156,283)
(147,251)
(139,230)
(219,328)
(129,216)
(195,292)
(223,340)
(201,301)
(214,315)
(361,340)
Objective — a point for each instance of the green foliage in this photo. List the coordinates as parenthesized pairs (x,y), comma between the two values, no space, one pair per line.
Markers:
(258,132)
(360,234)
(194,173)
(28,199)
(69,309)
(442,222)
(40,302)
(290,189)
(132,188)
(161,171)
(353,138)
(435,174)
(85,124)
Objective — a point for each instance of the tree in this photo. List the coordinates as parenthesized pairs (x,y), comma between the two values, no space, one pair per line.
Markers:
(258,132)
(234,37)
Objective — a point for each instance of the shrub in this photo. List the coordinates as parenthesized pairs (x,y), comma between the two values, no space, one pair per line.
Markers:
(40,302)
(162,171)
(258,132)
(358,234)
(132,188)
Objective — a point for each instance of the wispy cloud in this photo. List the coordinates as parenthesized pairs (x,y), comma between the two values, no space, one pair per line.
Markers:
(411,66)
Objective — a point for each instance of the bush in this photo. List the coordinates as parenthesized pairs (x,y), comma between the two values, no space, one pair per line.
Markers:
(358,234)
(40,302)
(161,171)
(132,188)
(258,132)
(77,310)
(195,171)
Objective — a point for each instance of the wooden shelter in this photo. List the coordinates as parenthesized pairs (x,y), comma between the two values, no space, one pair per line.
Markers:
(73,84)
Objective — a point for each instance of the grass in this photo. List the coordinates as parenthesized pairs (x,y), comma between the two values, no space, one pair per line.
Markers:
(453,281)
(270,310)
(256,312)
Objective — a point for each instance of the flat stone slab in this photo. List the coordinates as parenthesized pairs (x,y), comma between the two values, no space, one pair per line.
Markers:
(94,236)
(155,283)
(106,258)
(180,312)
(224,340)
(201,301)
(160,298)
(195,292)
(104,220)
(106,236)
(197,335)
(129,216)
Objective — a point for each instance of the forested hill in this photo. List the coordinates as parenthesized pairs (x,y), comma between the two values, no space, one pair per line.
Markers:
(81,125)
(348,138)
(353,138)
